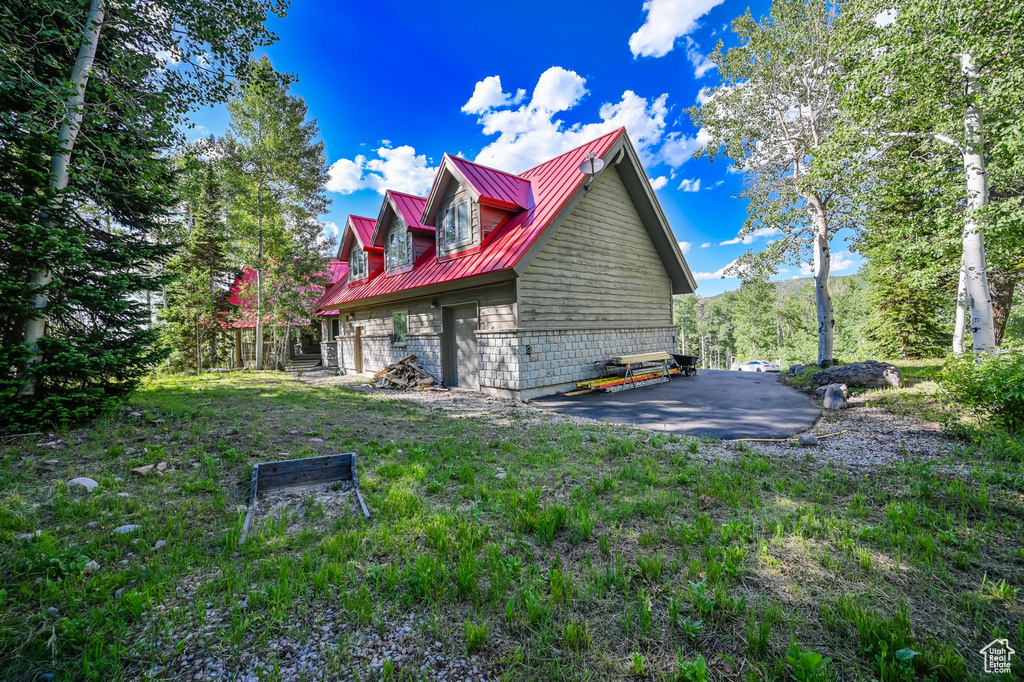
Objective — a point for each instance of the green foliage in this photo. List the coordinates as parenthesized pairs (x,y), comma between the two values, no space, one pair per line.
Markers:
(476,636)
(96,242)
(692,671)
(807,666)
(991,386)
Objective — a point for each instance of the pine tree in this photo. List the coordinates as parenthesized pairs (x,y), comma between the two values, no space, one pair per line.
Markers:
(88,113)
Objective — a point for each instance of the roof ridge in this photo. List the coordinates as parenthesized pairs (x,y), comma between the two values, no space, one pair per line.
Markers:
(620,129)
(406,194)
(490,168)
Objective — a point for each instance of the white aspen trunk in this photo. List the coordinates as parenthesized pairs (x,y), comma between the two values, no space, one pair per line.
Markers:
(960,327)
(35,326)
(822,267)
(974,267)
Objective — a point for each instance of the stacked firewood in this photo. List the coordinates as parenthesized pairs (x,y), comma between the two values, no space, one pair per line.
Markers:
(406,375)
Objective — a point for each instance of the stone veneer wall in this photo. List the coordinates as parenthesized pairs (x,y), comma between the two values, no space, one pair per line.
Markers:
(559,356)
(329,353)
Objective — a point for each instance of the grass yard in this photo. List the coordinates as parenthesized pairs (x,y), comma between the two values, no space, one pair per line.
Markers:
(602,553)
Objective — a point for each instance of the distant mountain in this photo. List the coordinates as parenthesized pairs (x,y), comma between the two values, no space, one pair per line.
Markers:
(789,286)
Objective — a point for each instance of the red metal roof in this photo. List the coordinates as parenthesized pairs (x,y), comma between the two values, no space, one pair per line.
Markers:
(552,183)
(410,209)
(494,185)
(359,228)
(242,294)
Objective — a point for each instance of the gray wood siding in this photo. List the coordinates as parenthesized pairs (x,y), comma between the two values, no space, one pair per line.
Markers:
(599,268)
(454,194)
(497,311)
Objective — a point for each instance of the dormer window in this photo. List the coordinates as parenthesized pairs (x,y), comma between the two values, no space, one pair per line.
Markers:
(454,225)
(357,263)
(398,249)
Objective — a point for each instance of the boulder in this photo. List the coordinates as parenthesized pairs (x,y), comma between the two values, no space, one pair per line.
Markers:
(796,369)
(82,482)
(808,440)
(867,374)
(820,391)
(90,568)
(835,397)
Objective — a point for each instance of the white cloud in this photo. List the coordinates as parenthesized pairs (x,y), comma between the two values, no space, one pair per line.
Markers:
(704,96)
(841,261)
(701,64)
(717,274)
(705,245)
(749,238)
(531,133)
(717,184)
(397,168)
(667,20)
(685,247)
(678,148)
(488,95)
(658,182)
(783,271)
(690,185)
(332,227)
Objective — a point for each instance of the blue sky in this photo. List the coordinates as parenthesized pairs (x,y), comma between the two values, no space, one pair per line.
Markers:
(395,85)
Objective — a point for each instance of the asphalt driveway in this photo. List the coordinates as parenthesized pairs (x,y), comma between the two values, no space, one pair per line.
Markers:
(714,403)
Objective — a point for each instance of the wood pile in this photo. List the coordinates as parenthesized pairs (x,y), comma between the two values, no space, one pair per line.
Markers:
(406,375)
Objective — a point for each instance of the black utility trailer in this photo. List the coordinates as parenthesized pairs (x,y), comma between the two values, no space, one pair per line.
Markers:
(687,363)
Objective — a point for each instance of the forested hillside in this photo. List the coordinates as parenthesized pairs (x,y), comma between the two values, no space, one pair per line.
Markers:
(775,320)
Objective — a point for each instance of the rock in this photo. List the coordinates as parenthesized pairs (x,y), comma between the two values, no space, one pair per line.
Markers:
(52,462)
(820,391)
(835,397)
(83,482)
(92,524)
(500,475)
(135,415)
(808,440)
(53,610)
(46,677)
(90,567)
(130,451)
(29,536)
(217,370)
(123,495)
(118,593)
(130,528)
(867,374)
(797,369)
(316,440)
(160,544)
(157,469)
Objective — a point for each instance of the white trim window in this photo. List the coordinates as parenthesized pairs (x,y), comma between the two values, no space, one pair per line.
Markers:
(356,263)
(398,250)
(455,227)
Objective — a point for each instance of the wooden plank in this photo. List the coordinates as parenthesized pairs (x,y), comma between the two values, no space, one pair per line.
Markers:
(305,471)
(252,505)
(641,357)
(579,392)
(424,372)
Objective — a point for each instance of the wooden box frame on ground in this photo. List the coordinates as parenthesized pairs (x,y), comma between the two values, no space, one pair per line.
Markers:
(296,472)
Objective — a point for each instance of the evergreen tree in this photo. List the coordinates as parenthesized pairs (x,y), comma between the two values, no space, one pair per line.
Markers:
(87,114)
(202,274)
(277,170)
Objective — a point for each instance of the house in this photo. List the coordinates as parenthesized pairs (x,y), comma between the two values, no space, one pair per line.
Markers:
(242,318)
(515,285)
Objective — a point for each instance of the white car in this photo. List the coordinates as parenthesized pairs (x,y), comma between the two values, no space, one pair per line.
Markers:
(759,366)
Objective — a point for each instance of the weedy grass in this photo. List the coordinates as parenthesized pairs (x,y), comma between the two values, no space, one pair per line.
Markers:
(604,553)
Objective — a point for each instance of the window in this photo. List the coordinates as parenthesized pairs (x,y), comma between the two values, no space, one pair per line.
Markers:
(357,263)
(399,327)
(335,328)
(397,249)
(455,226)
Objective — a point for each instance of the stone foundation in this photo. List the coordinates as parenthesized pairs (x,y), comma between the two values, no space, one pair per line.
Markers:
(524,363)
(518,363)
(329,353)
